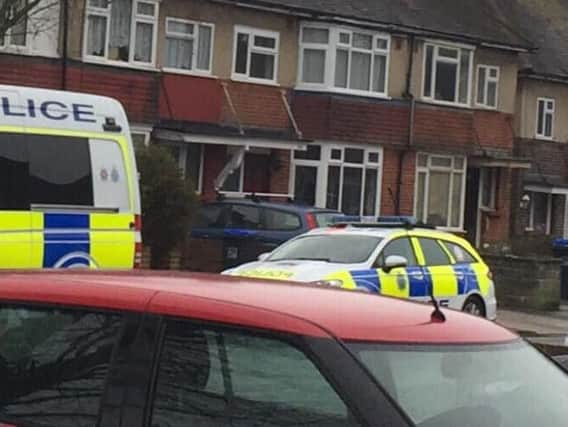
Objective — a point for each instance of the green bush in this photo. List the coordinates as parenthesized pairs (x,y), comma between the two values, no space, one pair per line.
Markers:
(168,203)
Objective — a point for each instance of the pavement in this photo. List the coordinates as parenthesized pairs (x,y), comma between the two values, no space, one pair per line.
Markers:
(547,329)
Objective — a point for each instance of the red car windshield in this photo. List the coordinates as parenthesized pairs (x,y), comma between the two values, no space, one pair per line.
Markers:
(509,385)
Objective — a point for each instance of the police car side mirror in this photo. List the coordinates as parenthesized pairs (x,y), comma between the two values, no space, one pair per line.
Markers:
(264,256)
(394,261)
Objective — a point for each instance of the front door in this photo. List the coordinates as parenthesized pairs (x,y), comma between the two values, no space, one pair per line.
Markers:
(472,206)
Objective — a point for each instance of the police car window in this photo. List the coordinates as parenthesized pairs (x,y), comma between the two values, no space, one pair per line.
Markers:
(13,172)
(218,377)
(460,254)
(60,171)
(278,220)
(433,252)
(341,249)
(244,216)
(400,247)
(53,365)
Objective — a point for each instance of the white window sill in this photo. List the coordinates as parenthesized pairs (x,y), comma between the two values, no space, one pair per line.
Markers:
(485,107)
(121,64)
(446,103)
(244,79)
(544,138)
(191,73)
(361,93)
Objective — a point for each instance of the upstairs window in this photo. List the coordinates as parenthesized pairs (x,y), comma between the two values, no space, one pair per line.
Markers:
(344,60)
(487,86)
(447,74)
(189,45)
(16,35)
(121,30)
(545,118)
(256,55)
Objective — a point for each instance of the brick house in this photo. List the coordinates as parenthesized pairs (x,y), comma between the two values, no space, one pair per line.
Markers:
(372,108)
(540,127)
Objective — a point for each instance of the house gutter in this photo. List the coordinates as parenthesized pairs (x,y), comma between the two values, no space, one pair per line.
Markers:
(408,94)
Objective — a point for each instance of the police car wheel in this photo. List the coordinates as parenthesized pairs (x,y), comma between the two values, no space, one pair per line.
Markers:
(474,305)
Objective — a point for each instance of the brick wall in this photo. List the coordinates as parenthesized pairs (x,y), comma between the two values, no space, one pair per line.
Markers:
(214,160)
(356,120)
(280,171)
(390,178)
(136,90)
(30,71)
(526,282)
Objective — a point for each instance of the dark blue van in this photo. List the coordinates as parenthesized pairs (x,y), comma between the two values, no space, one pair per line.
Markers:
(247,227)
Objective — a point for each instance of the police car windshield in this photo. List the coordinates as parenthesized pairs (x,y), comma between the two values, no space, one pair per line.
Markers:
(510,385)
(329,248)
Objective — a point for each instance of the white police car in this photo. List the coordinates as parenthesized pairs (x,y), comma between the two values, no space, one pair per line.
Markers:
(395,258)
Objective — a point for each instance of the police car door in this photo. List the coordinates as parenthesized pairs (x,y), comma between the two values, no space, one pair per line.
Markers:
(399,282)
(438,270)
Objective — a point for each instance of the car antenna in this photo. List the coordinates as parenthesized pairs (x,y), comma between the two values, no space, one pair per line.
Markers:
(437,315)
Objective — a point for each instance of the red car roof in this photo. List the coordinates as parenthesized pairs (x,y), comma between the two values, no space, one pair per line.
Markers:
(286,307)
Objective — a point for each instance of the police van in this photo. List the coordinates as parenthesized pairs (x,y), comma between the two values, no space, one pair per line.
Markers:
(69,192)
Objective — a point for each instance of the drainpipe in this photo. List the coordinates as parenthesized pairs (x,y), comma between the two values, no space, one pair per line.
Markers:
(408,94)
(65,19)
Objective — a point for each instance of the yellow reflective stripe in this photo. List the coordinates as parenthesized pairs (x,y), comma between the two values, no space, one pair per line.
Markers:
(481,272)
(418,251)
(444,280)
(265,274)
(14,240)
(395,283)
(37,240)
(345,277)
(112,241)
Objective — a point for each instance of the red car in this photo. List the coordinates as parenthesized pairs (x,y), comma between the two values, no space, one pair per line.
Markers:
(84,349)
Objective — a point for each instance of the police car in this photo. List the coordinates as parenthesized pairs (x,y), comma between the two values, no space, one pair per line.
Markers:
(397,258)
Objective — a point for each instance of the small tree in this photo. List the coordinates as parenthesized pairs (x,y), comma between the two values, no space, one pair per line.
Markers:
(168,203)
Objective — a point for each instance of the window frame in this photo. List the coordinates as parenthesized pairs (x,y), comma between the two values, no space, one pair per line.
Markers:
(134,19)
(330,62)
(545,111)
(548,225)
(452,170)
(488,80)
(195,37)
(446,243)
(252,32)
(436,45)
(322,171)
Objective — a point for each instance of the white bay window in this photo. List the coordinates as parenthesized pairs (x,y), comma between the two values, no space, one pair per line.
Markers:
(344,178)
(344,60)
(447,74)
(121,31)
(440,190)
(189,45)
